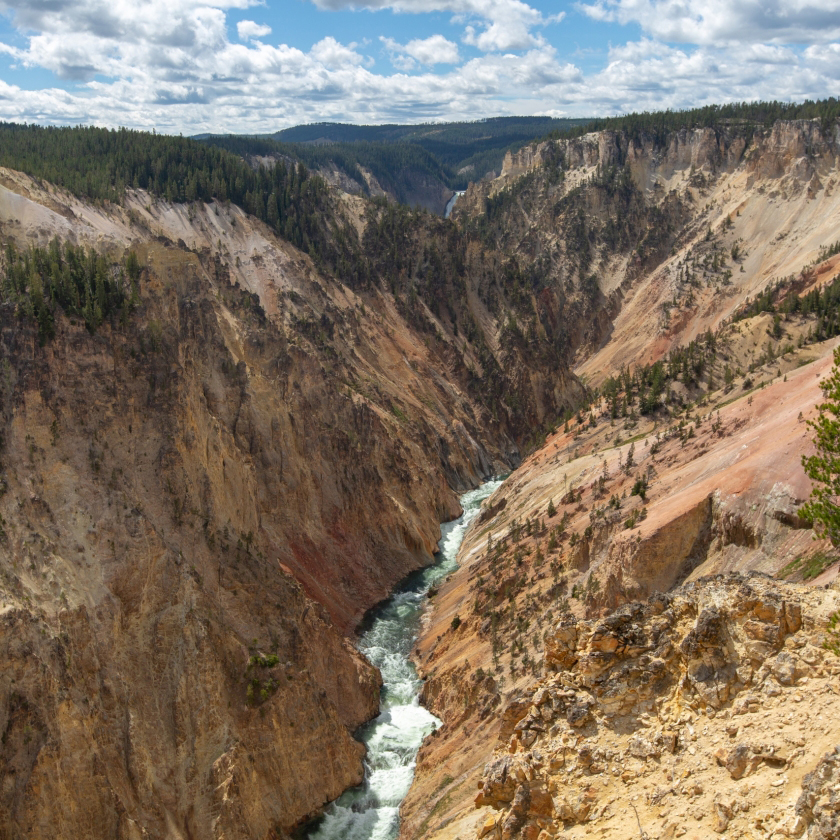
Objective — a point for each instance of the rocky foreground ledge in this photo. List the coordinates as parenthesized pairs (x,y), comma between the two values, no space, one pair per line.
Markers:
(710,709)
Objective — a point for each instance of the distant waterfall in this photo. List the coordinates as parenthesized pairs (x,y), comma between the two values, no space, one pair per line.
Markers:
(451,203)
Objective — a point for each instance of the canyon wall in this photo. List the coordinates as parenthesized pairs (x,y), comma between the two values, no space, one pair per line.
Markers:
(613,219)
(199,503)
(625,501)
(163,674)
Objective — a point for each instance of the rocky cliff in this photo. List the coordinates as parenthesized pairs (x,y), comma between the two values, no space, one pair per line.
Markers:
(587,525)
(163,674)
(659,250)
(199,502)
(679,716)
(634,234)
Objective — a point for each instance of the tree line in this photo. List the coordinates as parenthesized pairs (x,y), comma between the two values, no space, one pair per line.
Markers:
(394,165)
(738,116)
(100,164)
(77,280)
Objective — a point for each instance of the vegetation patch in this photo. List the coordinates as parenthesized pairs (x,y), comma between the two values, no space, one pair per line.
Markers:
(808,567)
(260,689)
(77,281)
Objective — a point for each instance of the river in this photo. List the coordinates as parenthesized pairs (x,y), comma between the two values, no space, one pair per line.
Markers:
(371,811)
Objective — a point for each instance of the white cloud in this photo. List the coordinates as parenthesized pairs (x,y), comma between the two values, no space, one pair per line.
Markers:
(331,54)
(248,29)
(397,55)
(513,35)
(428,51)
(825,58)
(722,22)
(493,24)
(649,75)
(171,64)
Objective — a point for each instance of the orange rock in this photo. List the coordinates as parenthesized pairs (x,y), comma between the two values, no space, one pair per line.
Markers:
(541,803)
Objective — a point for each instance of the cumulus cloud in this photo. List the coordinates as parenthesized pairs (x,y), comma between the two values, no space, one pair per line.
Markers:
(248,29)
(722,22)
(825,58)
(172,64)
(492,24)
(331,54)
(510,35)
(427,51)
(649,76)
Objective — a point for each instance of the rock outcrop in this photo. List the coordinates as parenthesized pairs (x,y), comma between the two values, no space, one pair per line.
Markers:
(818,808)
(613,218)
(662,706)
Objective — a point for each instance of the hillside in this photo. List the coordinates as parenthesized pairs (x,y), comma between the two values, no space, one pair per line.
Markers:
(645,244)
(467,151)
(690,264)
(204,488)
(416,165)
(493,129)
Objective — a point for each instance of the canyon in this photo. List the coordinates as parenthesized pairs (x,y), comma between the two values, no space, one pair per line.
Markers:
(200,503)
(197,511)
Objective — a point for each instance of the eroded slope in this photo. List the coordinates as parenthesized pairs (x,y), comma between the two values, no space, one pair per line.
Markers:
(654,484)
(198,503)
(642,243)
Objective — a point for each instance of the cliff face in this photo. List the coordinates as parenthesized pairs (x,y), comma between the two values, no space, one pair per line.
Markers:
(683,714)
(614,222)
(793,147)
(139,579)
(625,501)
(197,507)
(688,706)
(351,442)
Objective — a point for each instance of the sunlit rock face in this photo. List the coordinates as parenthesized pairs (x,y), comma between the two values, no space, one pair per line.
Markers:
(619,509)
(198,507)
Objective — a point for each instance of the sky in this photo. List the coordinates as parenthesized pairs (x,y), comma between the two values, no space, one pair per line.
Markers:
(246,66)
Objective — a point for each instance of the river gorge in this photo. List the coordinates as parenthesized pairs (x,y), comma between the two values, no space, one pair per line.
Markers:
(371,810)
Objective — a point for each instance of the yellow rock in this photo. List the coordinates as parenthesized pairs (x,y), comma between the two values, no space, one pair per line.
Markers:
(489,825)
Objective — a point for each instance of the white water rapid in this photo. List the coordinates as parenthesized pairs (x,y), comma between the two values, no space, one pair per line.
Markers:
(371,811)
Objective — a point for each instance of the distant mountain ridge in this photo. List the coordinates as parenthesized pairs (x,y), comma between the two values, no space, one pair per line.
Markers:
(411,164)
(459,133)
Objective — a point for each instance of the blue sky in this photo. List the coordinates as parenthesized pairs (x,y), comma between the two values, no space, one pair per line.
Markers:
(300,23)
(243,66)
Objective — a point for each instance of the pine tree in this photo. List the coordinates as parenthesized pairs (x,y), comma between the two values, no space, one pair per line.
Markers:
(823,468)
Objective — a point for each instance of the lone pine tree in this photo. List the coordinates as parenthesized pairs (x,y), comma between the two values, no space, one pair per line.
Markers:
(823,468)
